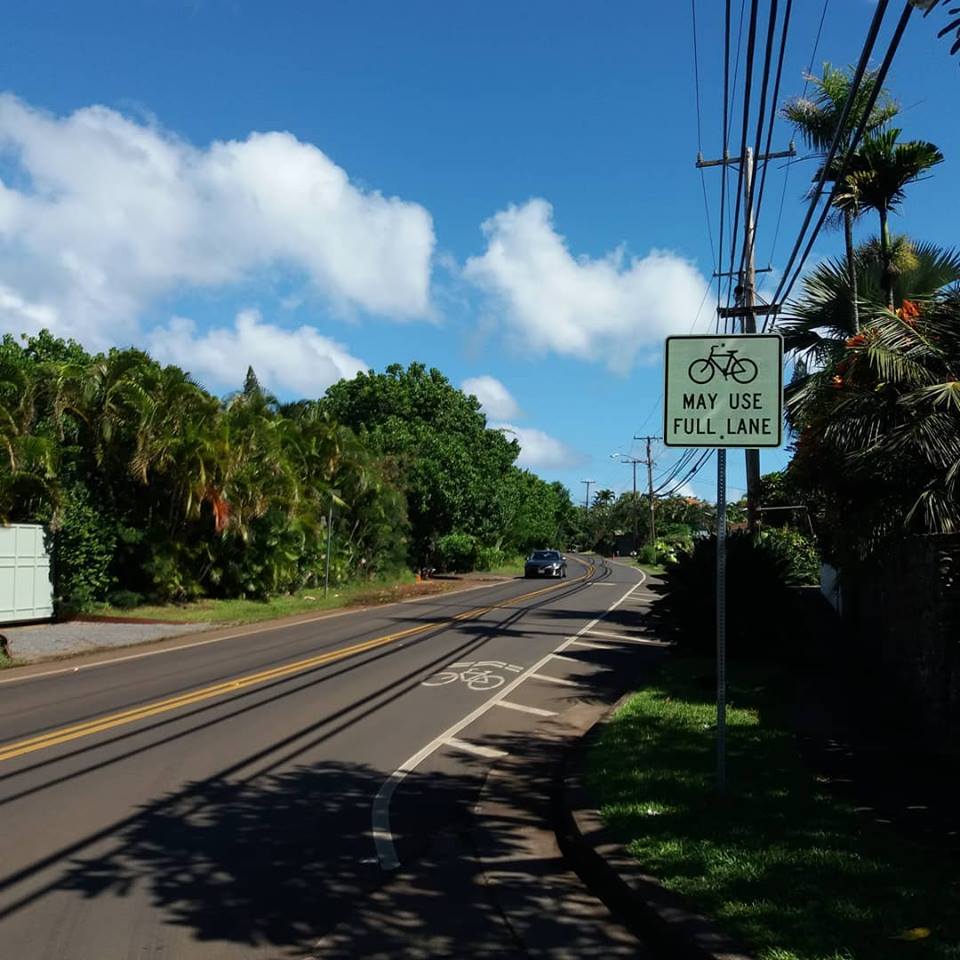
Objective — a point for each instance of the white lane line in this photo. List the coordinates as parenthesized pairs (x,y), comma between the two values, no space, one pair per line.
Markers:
(380,814)
(610,638)
(476,748)
(560,656)
(523,708)
(546,676)
(586,643)
(608,634)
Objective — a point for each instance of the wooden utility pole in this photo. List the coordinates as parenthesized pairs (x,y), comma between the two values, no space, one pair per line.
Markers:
(648,460)
(747,308)
(586,495)
(633,461)
(748,288)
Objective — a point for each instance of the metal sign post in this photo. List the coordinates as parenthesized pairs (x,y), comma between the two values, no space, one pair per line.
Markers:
(721,620)
(723,391)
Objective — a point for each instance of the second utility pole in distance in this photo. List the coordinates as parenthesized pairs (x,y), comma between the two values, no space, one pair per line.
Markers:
(653,510)
(586,496)
(633,461)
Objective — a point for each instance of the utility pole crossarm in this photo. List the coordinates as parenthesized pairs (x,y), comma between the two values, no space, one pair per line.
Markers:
(791,151)
(743,310)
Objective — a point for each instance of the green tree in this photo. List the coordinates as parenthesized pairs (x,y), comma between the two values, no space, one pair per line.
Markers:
(450,464)
(818,121)
(875,179)
(816,324)
(878,432)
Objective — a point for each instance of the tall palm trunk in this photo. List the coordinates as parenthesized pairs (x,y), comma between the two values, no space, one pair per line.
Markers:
(852,268)
(887,277)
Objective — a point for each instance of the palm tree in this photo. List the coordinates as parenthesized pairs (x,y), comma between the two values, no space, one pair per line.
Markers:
(817,119)
(886,419)
(816,325)
(875,179)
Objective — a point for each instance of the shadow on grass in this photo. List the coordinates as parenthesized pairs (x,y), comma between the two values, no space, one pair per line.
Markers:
(783,863)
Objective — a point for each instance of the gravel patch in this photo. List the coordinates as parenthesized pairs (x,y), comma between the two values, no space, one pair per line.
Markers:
(46,641)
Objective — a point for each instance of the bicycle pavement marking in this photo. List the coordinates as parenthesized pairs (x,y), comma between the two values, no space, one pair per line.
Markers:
(380,814)
(65,734)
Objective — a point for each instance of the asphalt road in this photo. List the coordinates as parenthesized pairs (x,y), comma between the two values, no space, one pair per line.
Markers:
(237,799)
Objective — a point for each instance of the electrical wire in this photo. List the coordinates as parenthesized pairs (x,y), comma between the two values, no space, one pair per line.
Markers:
(748,214)
(784,289)
(703,179)
(723,165)
(698,466)
(747,84)
(835,145)
(775,100)
(790,163)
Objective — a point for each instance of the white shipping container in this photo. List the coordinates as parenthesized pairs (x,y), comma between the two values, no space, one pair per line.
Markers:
(26,592)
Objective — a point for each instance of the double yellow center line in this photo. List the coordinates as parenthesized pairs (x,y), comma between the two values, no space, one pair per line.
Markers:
(53,738)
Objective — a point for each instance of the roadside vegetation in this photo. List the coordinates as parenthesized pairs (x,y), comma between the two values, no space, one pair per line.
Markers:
(781,863)
(784,862)
(154,490)
(874,403)
(387,589)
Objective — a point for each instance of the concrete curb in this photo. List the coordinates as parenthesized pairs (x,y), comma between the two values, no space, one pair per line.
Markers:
(659,916)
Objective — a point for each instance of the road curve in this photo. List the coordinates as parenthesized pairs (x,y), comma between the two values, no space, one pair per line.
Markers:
(221,800)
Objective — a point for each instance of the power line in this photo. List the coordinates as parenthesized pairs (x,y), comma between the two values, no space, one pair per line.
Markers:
(854,143)
(835,145)
(789,163)
(703,179)
(726,148)
(761,116)
(747,84)
(694,470)
(775,100)
(706,293)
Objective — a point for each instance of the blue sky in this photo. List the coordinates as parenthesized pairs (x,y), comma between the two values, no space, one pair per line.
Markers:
(505,191)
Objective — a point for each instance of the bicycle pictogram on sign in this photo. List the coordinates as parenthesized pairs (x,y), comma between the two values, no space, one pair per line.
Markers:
(477,675)
(741,369)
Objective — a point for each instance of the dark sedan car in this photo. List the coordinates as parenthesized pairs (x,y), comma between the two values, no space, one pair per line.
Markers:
(545,563)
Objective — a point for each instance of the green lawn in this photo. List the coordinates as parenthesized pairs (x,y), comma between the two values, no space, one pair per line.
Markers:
(653,569)
(304,601)
(783,866)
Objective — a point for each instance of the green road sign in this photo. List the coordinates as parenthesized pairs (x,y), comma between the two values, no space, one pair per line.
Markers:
(724,391)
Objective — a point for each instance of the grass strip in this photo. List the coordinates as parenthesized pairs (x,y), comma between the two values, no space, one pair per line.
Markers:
(509,568)
(781,864)
(309,600)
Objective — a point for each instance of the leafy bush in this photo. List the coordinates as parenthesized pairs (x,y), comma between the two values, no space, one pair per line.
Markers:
(169,569)
(457,552)
(798,550)
(647,554)
(759,574)
(85,545)
(489,558)
(125,599)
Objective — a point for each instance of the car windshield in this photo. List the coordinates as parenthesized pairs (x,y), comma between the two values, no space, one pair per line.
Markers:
(545,555)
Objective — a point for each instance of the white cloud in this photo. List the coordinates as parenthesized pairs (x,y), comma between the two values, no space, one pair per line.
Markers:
(102,215)
(539,449)
(494,397)
(299,360)
(596,309)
